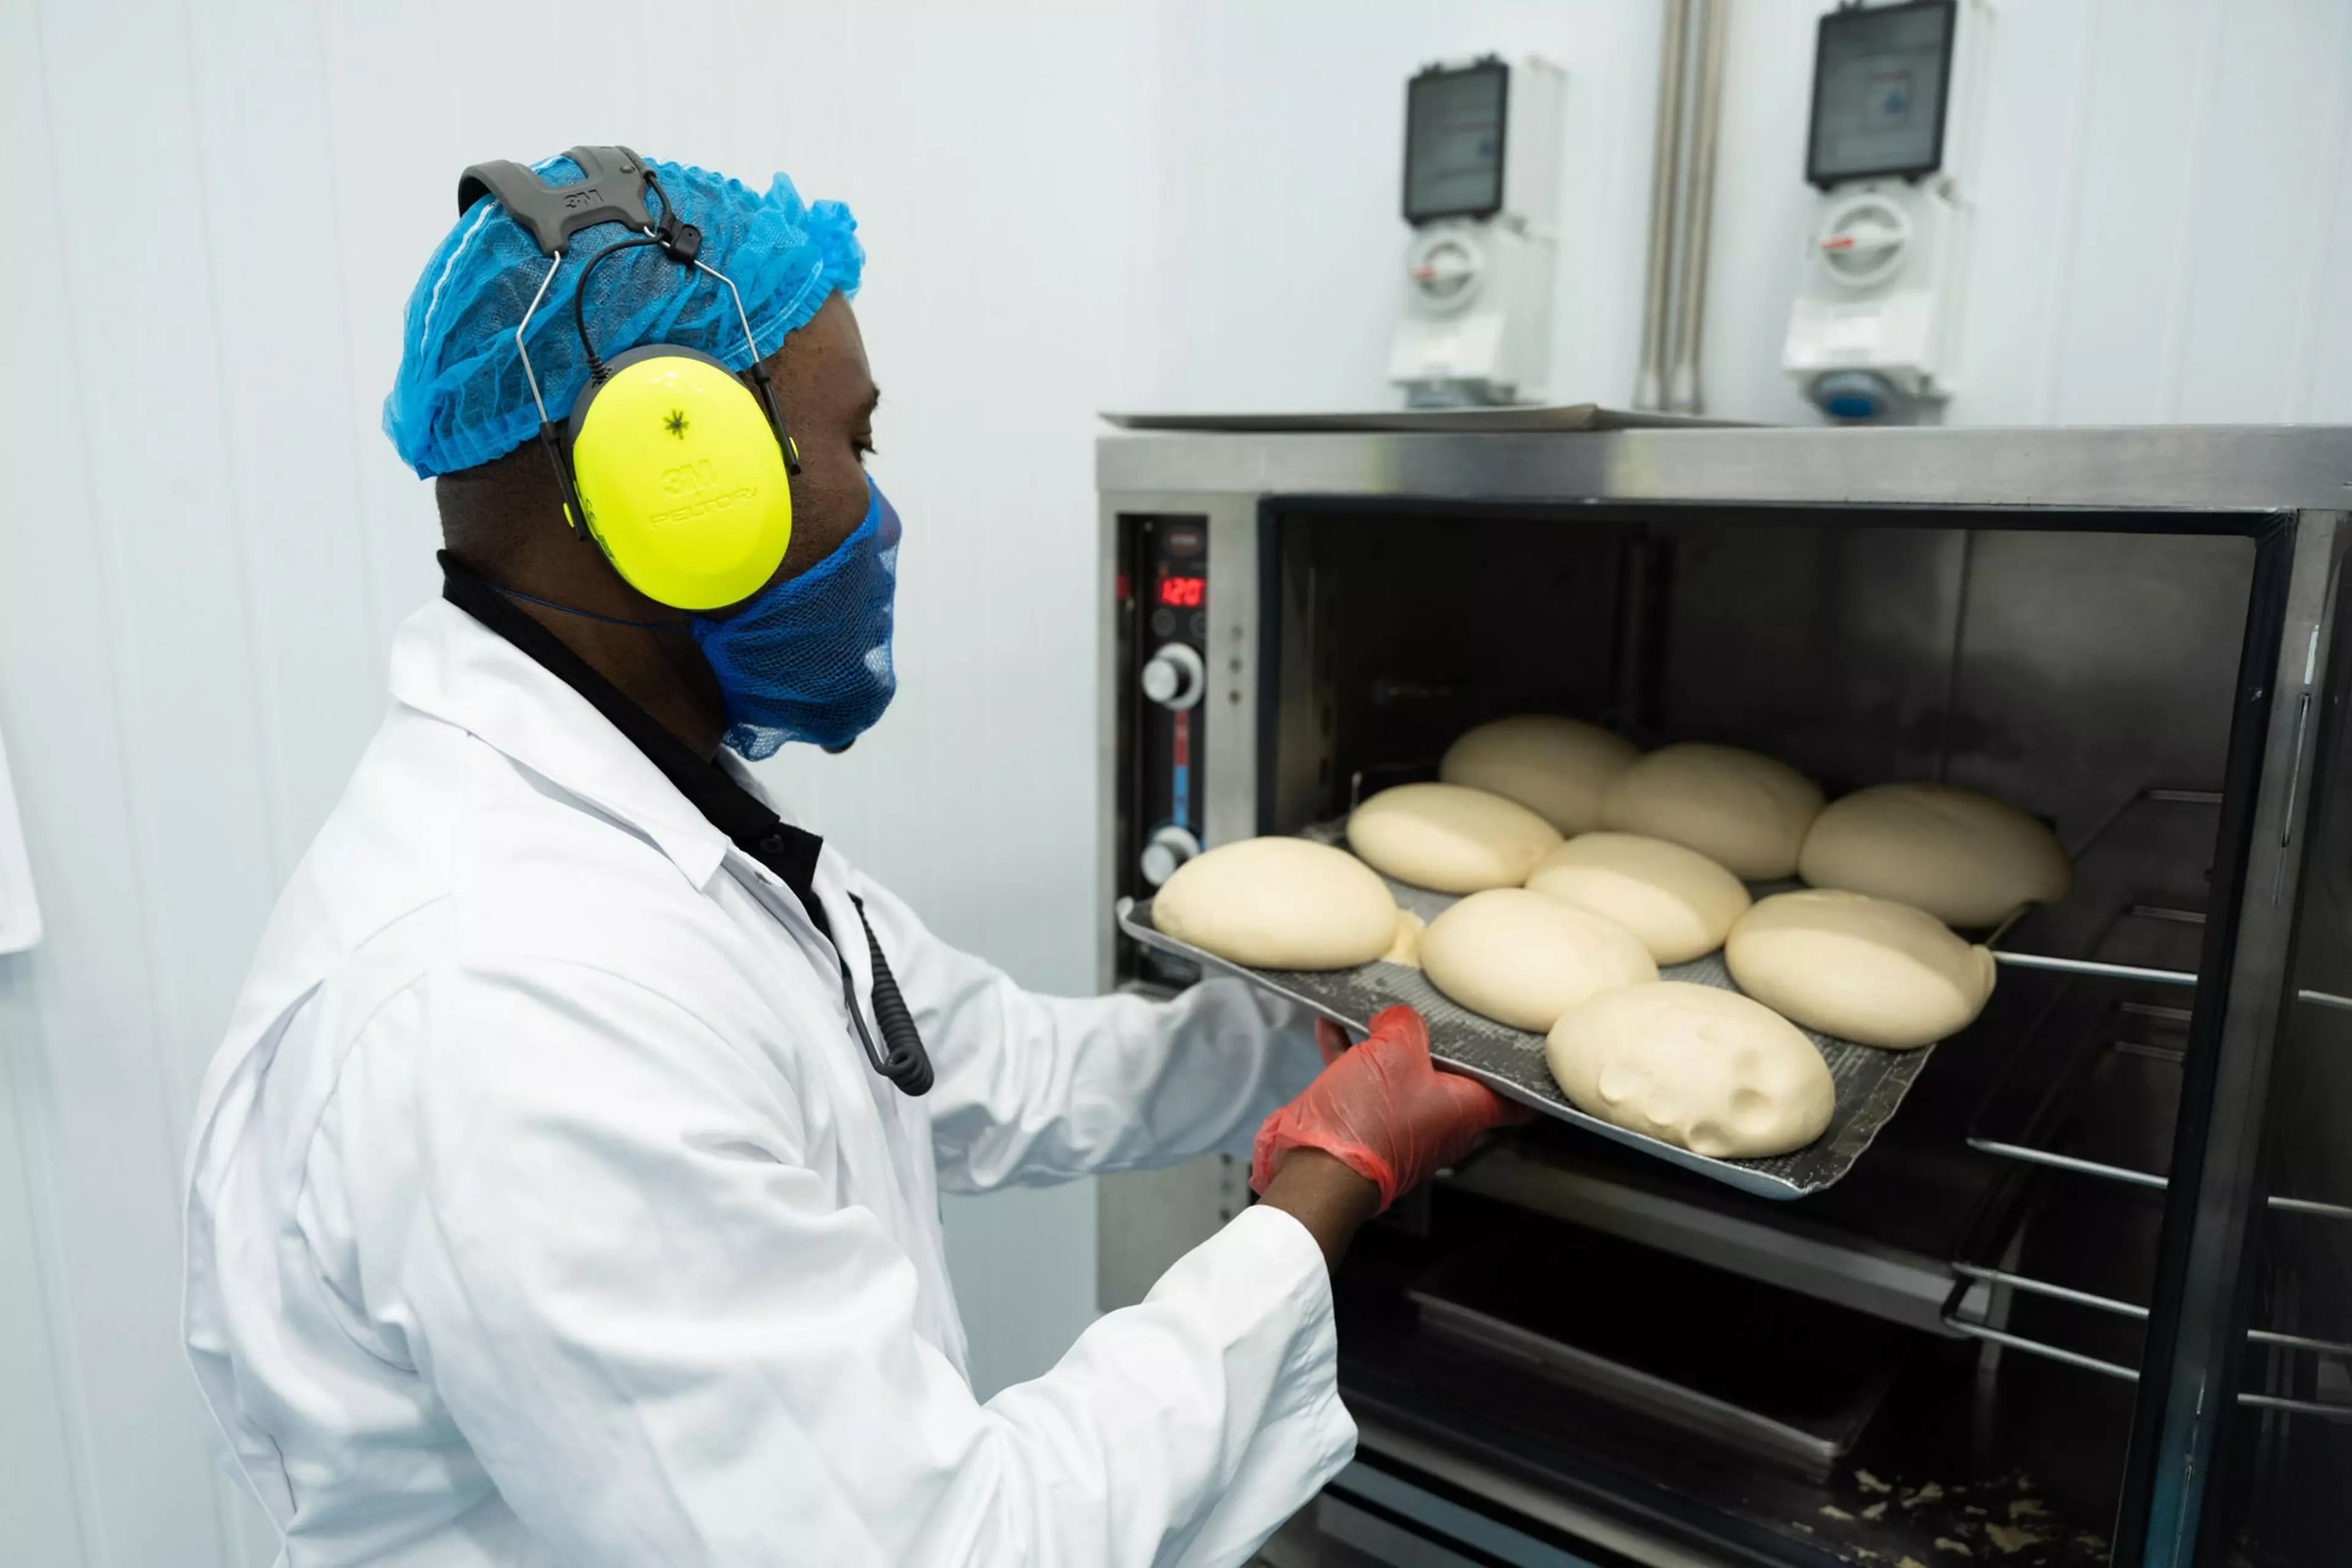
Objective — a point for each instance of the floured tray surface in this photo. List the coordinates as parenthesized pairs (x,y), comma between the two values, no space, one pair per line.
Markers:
(1870,1082)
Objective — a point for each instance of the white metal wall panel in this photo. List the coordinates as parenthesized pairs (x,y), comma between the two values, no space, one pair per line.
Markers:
(136,776)
(37,1461)
(2123,256)
(205,543)
(2273,120)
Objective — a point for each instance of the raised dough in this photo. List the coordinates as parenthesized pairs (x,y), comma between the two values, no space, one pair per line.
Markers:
(1280,903)
(1679,902)
(1453,839)
(1745,811)
(1965,858)
(1524,959)
(1862,969)
(1696,1066)
(1557,768)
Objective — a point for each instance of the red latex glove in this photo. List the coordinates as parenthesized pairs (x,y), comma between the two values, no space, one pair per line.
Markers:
(1382,1110)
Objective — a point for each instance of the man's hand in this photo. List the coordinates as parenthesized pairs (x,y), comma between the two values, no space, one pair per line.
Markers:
(1381,1110)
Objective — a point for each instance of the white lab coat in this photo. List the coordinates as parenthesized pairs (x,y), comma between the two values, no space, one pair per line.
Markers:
(543,1208)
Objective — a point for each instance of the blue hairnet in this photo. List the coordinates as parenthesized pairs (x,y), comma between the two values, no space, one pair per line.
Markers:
(460,397)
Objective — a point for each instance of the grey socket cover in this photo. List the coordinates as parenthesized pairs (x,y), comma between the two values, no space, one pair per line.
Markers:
(614,191)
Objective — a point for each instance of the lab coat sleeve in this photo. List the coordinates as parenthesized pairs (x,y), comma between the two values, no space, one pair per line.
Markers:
(1033,1089)
(666,1342)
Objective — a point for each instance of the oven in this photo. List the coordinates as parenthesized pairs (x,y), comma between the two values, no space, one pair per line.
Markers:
(2088,1295)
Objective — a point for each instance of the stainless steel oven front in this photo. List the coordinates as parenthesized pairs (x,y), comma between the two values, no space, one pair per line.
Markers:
(2088,1298)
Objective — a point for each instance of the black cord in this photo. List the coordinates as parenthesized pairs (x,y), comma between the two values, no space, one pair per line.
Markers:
(596,370)
(669,209)
(679,628)
(906,1063)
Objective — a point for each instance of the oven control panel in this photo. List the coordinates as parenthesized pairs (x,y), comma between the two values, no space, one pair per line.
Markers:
(1166,590)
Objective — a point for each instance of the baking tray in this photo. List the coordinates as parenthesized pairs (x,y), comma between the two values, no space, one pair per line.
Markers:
(1735,1363)
(1871,1083)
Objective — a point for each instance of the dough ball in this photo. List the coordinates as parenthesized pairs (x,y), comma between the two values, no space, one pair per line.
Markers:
(1557,768)
(1406,948)
(1965,858)
(1524,959)
(1695,1065)
(1862,969)
(1450,838)
(1745,811)
(1679,902)
(1280,903)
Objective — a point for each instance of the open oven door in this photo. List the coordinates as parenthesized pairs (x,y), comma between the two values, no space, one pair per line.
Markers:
(2242,1448)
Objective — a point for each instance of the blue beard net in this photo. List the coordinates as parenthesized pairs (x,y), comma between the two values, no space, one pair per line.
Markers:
(460,399)
(808,657)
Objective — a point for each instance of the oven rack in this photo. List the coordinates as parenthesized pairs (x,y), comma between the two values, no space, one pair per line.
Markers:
(2004,1280)
(2147,795)
(2100,969)
(2028,1150)
(1884,1278)
(1957,1318)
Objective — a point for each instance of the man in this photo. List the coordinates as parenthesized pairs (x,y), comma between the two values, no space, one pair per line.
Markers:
(552,1201)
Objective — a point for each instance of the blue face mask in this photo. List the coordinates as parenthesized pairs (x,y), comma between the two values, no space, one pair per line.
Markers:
(808,658)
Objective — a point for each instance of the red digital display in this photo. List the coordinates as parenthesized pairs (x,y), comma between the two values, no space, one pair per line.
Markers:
(1185,593)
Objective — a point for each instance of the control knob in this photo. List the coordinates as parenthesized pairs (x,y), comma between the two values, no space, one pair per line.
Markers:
(1864,240)
(1167,850)
(1175,677)
(1444,269)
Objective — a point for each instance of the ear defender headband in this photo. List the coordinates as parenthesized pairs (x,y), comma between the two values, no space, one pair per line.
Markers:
(678,470)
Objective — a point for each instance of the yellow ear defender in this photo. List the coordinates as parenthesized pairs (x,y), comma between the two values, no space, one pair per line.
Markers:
(680,473)
(680,478)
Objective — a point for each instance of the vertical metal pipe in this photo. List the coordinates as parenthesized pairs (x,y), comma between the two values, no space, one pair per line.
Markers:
(1650,391)
(1690,314)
